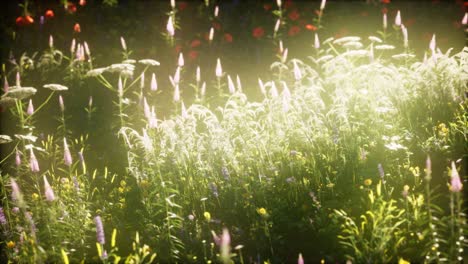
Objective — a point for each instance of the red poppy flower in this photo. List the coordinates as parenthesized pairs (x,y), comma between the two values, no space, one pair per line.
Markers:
(258,32)
(311,27)
(195,43)
(385,1)
(82,2)
(294,15)
(71,7)
(77,28)
(288,4)
(228,37)
(294,30)
(28,20)
(267,7)
(216,25)
(182,5)
(49,14)
(20,21)
(193,54)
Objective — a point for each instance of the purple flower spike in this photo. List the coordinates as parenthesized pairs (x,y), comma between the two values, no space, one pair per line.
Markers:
(455,183)
(30,110)
(99,230)
(66,153)
(34,165)
(3,220)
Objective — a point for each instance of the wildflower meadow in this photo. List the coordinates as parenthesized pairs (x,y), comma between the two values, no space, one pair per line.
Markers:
(224,131)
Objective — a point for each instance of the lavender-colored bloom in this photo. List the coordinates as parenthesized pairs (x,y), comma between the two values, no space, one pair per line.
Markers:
(214,189)
(381,171)
(455,183)
(41,20)
(15,191)
(30,110)
(225,173)
(99,230)
(66,153)
(31,223)
(3,220)
(75,183)
(34,165)
(15,210)
(18,158)
(154,83)
(225,246)
(48,192)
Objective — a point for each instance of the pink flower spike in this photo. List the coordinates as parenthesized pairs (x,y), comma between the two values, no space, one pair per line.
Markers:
(231,87)
(123,43)
(180,62)
(73,46)
(428,168)
(211,35)
(203,89)
(285,56)
(51,41)
(48,192)
(238,82)
(15,191)
(154,84)
(404,31)
(225,246)
(61,104)
(120,88)
(385,21)
(322,5)
(33,164)
(67,158)
(86,48)
(316,42)
(300,260)
(262,87)
(197,75)
(297,72)
(398,19)
(183,111)
(18,158)
(455,183)
(432,44)
(18,79)
(170,27)
(176,93)
(465,19)
(146,108)
(216,11)
(219,70)
(30,110)
(176,78)
(142,80)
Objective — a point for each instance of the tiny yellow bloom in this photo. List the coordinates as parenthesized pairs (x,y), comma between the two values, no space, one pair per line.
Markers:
(406,188)
(367,182)
(207,216)
(35,196)
(402,261)
(262,211)
(11,244)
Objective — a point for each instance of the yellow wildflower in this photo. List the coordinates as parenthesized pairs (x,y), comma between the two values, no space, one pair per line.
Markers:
(402,261)
(367,182)
(207,216)
(262,211)
(11,244)
(35,196)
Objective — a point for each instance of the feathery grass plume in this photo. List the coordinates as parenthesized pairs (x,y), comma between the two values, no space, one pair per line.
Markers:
(170,27)
(120,87)
(211,35)
(3,220)
(67,158)
(100,237)
(225,246)
(61,104)
(48,192)
(33,164)
(231,87)
(277,25)
(123,43)
(404,31)
(73,46)
(455,183)
(176,93)
(198,75)
(154,83)
(384,23)
(398,19)
(181,61)
(30,110)
(316,42)
(297,71)
(322,5)
(51,41)
(219,69)
(300,260)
